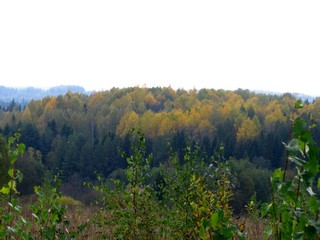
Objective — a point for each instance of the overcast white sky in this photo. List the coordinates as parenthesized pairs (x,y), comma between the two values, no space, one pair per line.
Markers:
(269,45)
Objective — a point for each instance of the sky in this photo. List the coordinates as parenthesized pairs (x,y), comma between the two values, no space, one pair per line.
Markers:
(269,45)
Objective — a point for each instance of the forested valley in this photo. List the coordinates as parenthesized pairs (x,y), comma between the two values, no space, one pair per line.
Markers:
(82,138)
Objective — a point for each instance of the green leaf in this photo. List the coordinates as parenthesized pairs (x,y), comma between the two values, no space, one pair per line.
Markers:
(214,220)
(299,127)
(277,174)
(55,218)
(298,161)
(313,203)
(267,232)
(13,157)
(298,236)
(10,141)
(308,177)
(318,183)
(10,172)
(36,189)
(310,191)
(5,190)
(286,217)
(312,164)
(21,148)
(298,104)
(265,207)
(306,136)
(285,190)
(202,232)
(310,231)
(293,145)
(19,176)
(277,178)
(12,185)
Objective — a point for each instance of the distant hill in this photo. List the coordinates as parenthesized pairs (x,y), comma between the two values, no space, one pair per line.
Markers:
(302,96)
(22,96)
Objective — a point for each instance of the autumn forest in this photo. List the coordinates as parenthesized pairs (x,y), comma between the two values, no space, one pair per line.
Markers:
(82,136)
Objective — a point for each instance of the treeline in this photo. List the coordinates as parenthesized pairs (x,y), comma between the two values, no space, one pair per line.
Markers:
(80,134)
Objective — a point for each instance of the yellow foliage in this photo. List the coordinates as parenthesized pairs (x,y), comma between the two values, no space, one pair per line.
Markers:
(180,119)
(232,106)
(250,128)
(274,114)
(150,100)
(149,124)
(52,103)
(128,121)
(26,115)
(166,125)
(96,99)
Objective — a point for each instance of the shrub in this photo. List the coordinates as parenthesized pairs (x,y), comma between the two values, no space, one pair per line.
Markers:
(293,212)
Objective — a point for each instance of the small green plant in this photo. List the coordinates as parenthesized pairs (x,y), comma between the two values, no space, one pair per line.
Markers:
(213,214)
(293,212)
(253,208)
(197,198)
(130,212)
(49,212)
(253,214)
(12,224)
(15,151)
(178,193)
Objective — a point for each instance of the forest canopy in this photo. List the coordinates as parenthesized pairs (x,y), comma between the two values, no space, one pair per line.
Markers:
(79,134)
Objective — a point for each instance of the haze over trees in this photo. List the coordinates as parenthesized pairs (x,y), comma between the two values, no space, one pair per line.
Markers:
(20,97)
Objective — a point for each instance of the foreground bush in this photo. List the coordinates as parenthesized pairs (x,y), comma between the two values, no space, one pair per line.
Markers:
(189,201)
(293,212)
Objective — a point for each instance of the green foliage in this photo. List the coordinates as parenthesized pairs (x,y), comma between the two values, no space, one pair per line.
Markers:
(4,162)
(15,150)
(197,197)
(12,224)
(253,215)
(130,211)
(211,210)
(253,208)
(49,211)
(293,212)
(30,164)
(188,201)
(179,192)
(250,179)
